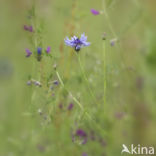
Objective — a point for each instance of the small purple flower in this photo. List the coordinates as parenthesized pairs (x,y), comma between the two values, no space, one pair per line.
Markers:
(37,83)
(113,42)
(70,107)
(84,154)
(28,52)
(39,50)
(48,49)
(94,12)
(55,82)
(28,28)
(81,133)
(77,43)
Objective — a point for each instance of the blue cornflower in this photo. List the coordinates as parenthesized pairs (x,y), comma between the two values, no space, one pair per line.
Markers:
(77,43)
(39,50)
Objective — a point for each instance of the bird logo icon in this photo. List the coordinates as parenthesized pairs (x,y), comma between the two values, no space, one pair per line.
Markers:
(125,149)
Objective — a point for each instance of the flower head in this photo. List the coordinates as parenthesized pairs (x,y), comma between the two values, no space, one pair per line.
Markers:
(28,28)
(76,42)
(48,49)
(94,12)
(113,42)
(28,52)
(70,106)
(39,50)
(56,82)
(81,133)
(84,154)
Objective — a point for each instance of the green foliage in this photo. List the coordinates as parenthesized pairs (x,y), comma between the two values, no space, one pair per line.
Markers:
(106,89)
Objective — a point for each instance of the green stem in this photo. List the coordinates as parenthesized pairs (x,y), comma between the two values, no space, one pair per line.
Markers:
(105,73)
(80,105)
(62,84)
(85,78)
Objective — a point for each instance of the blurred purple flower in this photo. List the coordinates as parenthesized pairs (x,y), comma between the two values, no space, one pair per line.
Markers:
(39,50)
(29,82)
(77,43)
(37,83)
(70,107)
(28,52)
(84,154)
(81,133)
(28,28)
(55,82)
(48,49)
(113,42)
(94,12)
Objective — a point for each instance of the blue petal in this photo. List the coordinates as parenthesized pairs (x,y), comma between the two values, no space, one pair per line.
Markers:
(86,44)
(83,38)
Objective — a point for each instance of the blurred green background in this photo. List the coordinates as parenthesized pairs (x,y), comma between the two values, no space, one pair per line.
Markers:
(129,115)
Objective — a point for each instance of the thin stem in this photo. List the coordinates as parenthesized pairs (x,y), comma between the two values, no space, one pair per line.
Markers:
(105,73)
(85,77)
(62,84)
(107,18)
(76,101)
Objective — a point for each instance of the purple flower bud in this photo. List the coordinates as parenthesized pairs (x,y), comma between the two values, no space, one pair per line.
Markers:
(29,83)
(37,83)
(94,12)
(28,52)
(70,107)
(39,50)
(84,154)
(55,82)
(81,133)
(26,27)
(30,29)
(48,49)
(113,42)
